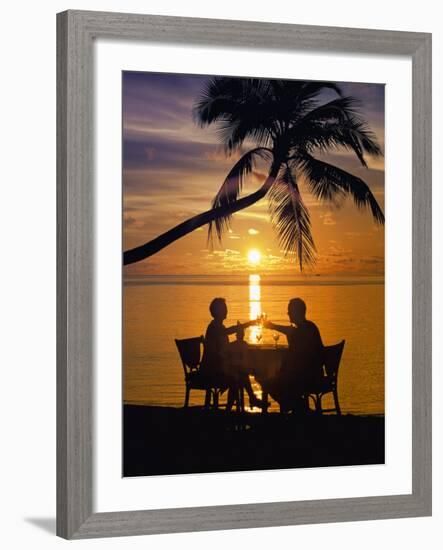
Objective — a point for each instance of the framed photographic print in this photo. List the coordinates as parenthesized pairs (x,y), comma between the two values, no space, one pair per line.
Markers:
(244,277)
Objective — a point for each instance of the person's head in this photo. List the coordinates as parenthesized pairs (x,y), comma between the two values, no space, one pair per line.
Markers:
(218,309)
(296,310)
(240,332)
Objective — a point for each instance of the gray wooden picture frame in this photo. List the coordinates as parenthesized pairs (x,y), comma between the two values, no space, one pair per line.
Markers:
(76,32)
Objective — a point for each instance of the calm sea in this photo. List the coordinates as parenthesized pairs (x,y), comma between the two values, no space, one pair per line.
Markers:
(159,308)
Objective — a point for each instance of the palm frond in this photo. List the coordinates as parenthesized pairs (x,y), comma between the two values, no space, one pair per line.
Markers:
(314,88)
(290,100)
(328,182)
(307,97)
(235,131)
(218,99)
(353,136)
(240,107)
(231,188)
(290,218)
(361,138)
(339,109)
(336,124)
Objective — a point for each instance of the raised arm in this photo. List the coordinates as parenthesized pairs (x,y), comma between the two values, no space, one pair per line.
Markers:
(233,329)
(279,328)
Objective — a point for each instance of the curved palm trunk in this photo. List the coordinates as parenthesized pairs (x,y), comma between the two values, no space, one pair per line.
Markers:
(148,249)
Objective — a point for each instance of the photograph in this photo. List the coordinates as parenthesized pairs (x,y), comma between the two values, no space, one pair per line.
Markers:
(253,265)
(220,315)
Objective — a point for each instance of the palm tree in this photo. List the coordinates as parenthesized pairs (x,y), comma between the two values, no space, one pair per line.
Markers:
(285,123)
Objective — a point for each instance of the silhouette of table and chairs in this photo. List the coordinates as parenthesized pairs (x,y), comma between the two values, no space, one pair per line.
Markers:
(263,363)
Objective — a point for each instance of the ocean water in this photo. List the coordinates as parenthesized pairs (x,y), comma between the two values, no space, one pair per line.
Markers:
(158,309)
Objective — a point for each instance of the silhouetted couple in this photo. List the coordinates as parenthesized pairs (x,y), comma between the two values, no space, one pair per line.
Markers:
(300,371)
(219,356)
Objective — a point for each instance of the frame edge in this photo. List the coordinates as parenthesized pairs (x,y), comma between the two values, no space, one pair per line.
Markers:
(75,518)
(422,273)
(74,277)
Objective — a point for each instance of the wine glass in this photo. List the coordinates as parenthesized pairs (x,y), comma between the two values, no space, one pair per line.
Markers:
(276,337)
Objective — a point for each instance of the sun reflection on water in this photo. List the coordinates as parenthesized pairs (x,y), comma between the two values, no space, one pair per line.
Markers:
(255,332)
(254,308)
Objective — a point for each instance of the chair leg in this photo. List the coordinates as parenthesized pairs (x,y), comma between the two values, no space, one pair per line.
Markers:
(232,399)
(337,406)
(240,400)
(207,399)
(310,396)
(188,391)
(318,408)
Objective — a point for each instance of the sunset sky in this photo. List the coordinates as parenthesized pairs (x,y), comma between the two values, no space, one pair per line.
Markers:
(172,169)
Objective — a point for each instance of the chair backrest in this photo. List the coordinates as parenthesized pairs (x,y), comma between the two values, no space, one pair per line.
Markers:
(332,356)
(190,352)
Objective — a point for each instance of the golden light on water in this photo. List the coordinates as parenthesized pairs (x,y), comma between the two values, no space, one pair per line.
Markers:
(254,256)
(254,306)
(256,331)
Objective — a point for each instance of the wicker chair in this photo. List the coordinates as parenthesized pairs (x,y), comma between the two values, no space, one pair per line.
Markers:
(190,350)
(329,383)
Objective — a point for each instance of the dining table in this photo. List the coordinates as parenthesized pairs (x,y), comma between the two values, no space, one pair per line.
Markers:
(264,362)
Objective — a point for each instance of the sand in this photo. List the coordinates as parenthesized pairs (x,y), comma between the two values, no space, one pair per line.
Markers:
(166,440)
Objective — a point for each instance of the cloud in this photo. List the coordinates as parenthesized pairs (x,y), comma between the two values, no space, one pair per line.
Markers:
(328,218)
(128,221)
(254,214)
(150,153)
(338,250)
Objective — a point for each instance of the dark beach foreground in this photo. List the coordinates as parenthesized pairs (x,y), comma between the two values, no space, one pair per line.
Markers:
(166,440)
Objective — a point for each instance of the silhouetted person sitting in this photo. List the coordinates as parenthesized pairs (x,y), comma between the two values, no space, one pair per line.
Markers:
(302,367)
(214,367)
(236,364)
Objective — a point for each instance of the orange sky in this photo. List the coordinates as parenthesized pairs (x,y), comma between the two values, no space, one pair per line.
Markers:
(172,169)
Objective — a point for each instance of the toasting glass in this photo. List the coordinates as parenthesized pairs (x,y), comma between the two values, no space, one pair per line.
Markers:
(276,337)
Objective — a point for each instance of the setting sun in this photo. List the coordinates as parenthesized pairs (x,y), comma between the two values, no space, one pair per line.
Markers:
(254,256)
